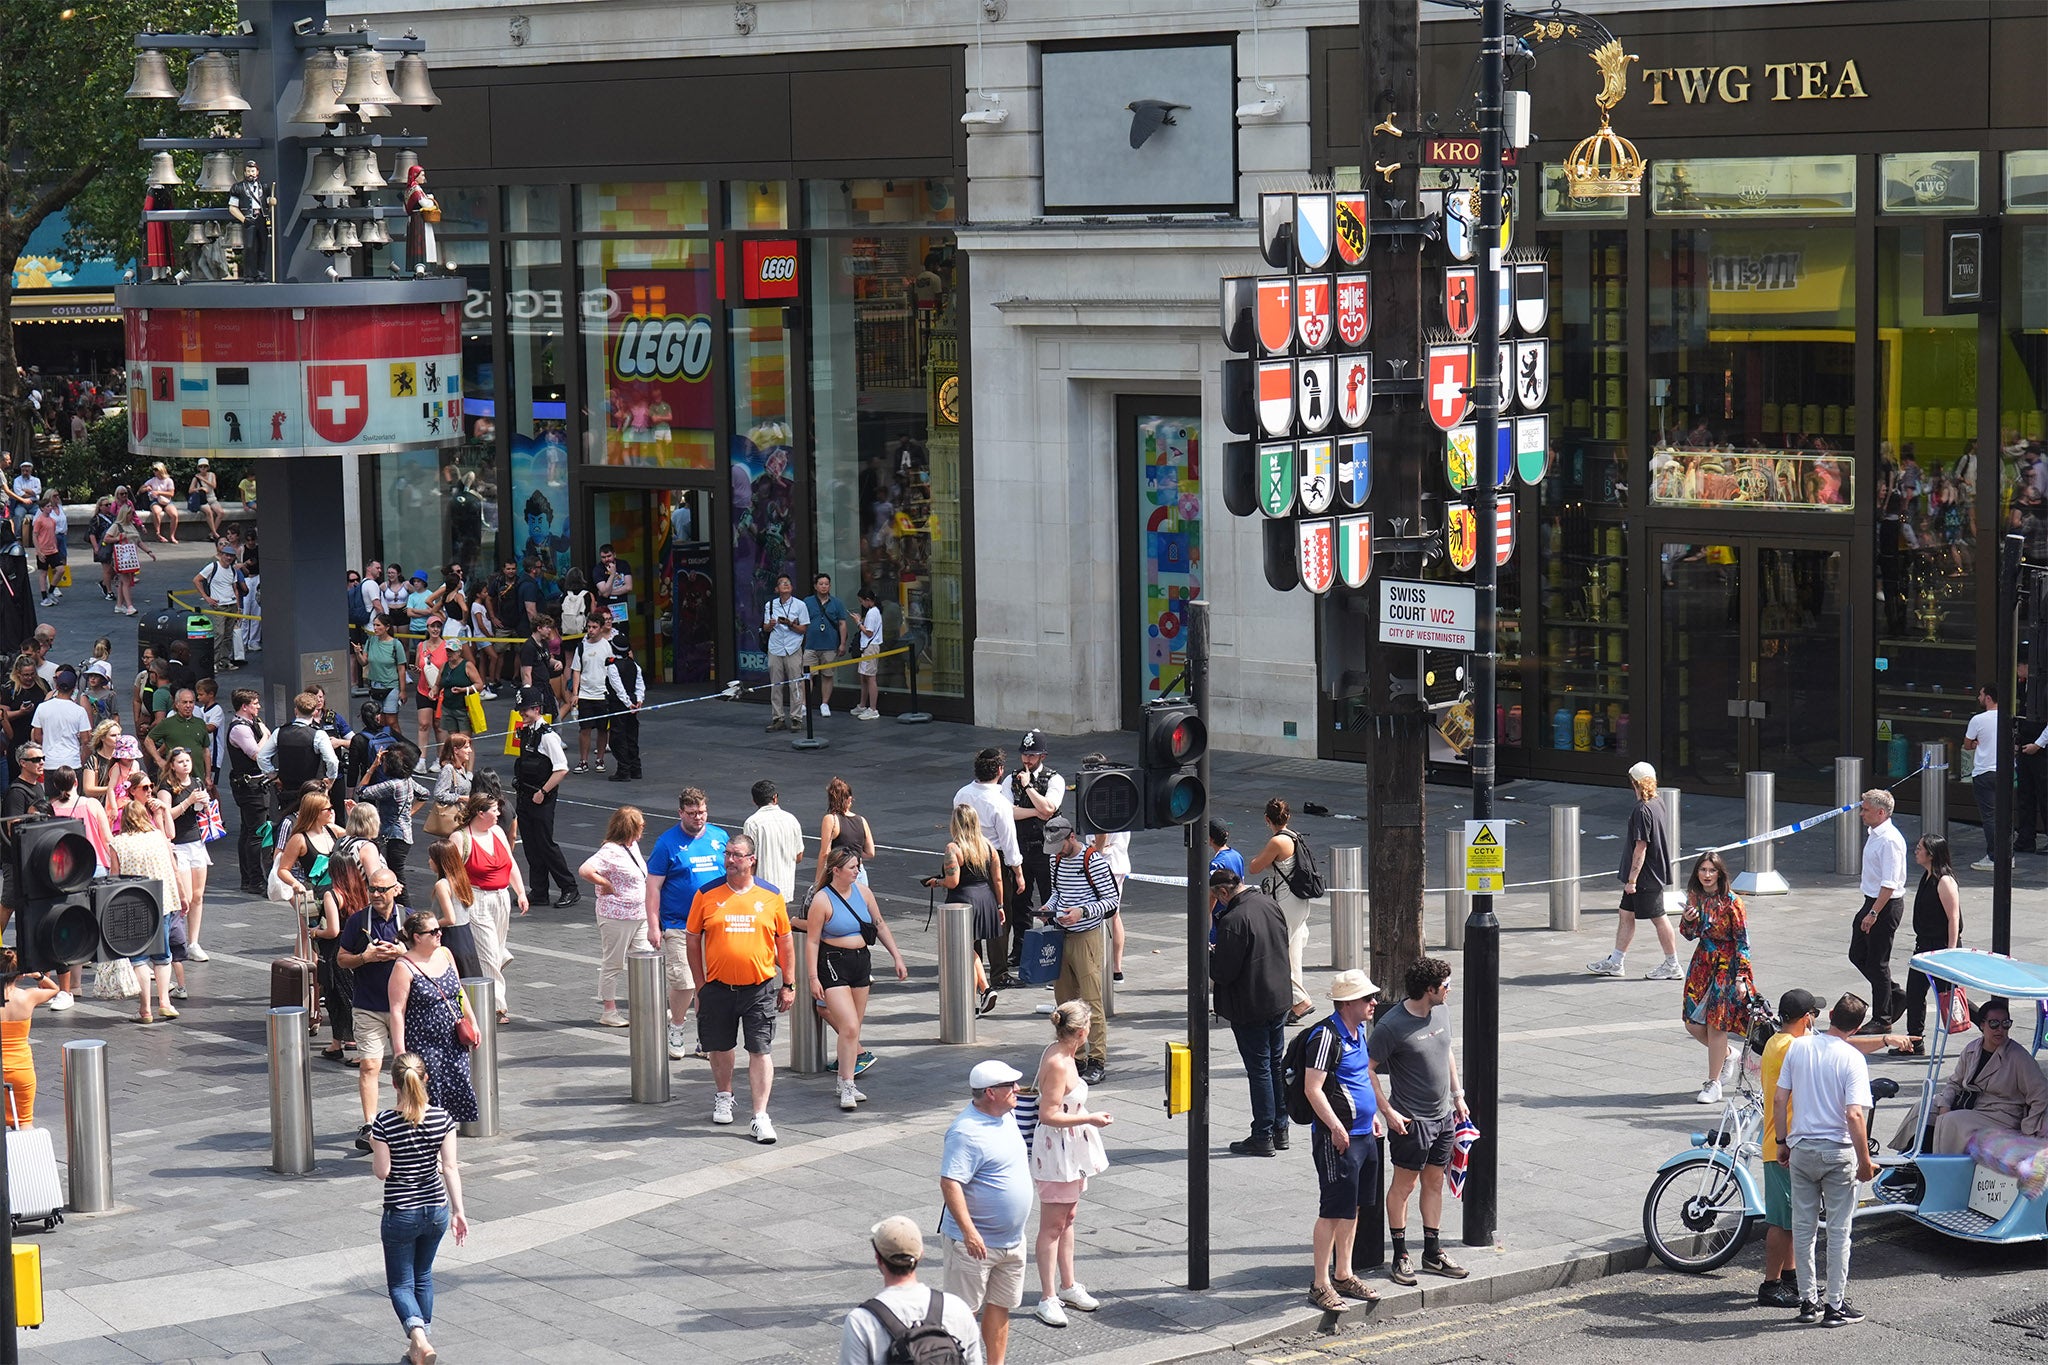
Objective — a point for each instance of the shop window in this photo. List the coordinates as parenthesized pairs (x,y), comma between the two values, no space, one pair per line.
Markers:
(1589,353)
(649,319)
(764,473)
(644,206)
(1928,182)
(2026,182)
(1752,187)
(2022,396)
(870,201)
(755,204)
(465,209)
(1752,368)
(1559,202)
(885,393)
(538,421)
(533,208)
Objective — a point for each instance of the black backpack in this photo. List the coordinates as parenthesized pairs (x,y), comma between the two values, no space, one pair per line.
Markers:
(1294,1073)
(928,1343)
(1306,881)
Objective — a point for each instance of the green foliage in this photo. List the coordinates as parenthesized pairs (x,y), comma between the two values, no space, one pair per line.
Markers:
(85,471)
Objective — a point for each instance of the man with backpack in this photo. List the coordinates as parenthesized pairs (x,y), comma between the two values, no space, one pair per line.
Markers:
(1084,895)
(1248,967)
(1329,1086)
(907,1324)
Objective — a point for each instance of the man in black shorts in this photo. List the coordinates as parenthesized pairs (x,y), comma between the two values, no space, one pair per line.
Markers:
(1645,874)
(738,940)
(1415,1077)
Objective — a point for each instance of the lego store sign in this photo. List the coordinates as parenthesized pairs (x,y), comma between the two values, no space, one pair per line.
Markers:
(768,270)
(1772,81)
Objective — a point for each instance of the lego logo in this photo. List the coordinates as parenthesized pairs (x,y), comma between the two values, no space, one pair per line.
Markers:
(663,348)
(778,269)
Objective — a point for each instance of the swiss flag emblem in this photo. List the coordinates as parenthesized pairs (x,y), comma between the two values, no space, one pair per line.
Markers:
(1450,371)
(337,401)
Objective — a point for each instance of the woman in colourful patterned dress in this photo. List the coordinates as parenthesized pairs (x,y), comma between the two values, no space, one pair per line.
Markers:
(1718,984)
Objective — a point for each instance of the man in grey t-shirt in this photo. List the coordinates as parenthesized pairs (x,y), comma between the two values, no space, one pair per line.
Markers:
(1415,1078)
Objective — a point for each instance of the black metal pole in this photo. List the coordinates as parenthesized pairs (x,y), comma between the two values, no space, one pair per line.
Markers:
(1198,968)
(2006,647)
(1482,930)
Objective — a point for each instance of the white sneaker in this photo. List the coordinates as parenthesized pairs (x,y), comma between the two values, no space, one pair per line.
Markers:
(488,695)
(859,1095)
(197,953)
(761,1130)
(1606,966)
(1076,1295)
(1731,1068)
(1983,865)
(1710,1093)
(63,1001)
(824,708)
(1050,1313)
(612,1019)
(57,595)
(847,1102)
(676,1045)
(721,1107)
(1667,970)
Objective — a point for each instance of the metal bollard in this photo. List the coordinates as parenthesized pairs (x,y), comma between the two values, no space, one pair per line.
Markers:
(291,1091)
(1457,905)
(1564,868)
(647,1026)
(1347,909)
(483,1062)
(1108,932)
(958,1001)
(90,1139)
(806,1021)
(1848,829)
(1674,894)
(1760,875)
(1934,787)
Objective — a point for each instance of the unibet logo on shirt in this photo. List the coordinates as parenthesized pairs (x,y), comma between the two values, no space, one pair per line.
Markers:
(740,930)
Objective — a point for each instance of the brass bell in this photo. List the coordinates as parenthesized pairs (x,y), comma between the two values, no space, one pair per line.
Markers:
(329,177)
(152,78)
(323,238)
(362,169)
(345,236)
(196,235)
(212,230)
(231,237)
(216,173)
(415,91)
(373,233)
(211,85)
(367,83)
(321,76)
(163,170)
(402,162)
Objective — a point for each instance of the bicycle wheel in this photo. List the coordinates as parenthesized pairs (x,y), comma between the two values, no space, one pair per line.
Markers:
(1694,1217)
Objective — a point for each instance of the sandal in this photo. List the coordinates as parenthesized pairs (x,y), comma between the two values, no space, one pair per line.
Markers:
(335,1053)
(1327,1298)
(1351,1287)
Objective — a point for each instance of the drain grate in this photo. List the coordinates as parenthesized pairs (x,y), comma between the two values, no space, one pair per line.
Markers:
(2034,1319)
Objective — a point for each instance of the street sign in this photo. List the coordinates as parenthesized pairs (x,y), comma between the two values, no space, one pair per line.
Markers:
(1439,615)
(1486,857)
(1458,151)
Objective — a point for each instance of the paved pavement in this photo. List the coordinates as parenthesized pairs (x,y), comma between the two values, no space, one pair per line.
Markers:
(606,1231)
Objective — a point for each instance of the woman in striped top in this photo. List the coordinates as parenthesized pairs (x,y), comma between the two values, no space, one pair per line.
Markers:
(412,1150)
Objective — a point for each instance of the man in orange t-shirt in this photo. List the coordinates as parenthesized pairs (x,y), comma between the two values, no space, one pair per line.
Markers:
(738,937)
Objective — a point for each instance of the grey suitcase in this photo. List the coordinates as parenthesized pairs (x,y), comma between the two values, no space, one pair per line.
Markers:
(35,1194)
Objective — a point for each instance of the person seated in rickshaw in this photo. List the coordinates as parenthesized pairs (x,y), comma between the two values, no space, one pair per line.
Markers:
(1996,1084)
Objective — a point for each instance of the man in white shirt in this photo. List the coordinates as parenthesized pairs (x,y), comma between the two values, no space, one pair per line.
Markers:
(783,623)
(1884,879)
(590,686)
(865,1340)
(1980,741)
(778,847)
(991,801)
(1822,1105)
(59,722)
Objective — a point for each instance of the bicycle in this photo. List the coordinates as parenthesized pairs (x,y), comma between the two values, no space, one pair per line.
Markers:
(1699,1211)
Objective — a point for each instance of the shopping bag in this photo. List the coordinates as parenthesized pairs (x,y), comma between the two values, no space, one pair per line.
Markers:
(1955,1009)
(211,825)
(64,576)
(1044,946)
(475,704)
(512,735)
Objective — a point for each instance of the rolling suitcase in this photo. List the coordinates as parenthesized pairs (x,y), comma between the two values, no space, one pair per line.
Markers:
(34,1192)
(292,983)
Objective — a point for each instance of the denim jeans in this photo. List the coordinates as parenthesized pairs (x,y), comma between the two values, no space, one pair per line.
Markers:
(411,1236)
(1260,1044)
(1823,1174)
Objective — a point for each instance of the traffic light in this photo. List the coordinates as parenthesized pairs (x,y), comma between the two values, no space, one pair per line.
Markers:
(130,915)
(1110,801)
(53,863)
(1171,742)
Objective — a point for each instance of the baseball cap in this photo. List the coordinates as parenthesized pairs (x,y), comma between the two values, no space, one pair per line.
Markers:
(1057,828)
(1796,1004)
(898,1241)
(986,1074)
(1642,772)
(1032,743)
(1351,985)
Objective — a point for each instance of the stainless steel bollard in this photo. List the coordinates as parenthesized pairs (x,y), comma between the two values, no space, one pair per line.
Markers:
(806,1021)
(1849,829)
(647,1026)
(291,1091)
(1564,868)
(1674,893)
(1760,875)
(89,1138)
(1108,932)
(1347,909)
(958,1000)
(483,1062)
(1934,787)
(1457,905)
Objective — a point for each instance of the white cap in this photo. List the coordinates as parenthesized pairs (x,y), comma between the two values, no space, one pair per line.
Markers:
(986,1074)
(1642,772)
(100,668)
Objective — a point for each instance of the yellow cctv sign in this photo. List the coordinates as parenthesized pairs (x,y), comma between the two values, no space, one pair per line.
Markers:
(1486,856)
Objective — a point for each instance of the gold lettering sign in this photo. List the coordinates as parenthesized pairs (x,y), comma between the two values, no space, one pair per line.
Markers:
(1732,84)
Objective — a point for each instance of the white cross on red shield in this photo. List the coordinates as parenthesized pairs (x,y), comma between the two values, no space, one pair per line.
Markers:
(337,401)
(1444,389)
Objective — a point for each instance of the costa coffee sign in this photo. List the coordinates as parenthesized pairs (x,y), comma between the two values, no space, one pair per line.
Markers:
(768,269)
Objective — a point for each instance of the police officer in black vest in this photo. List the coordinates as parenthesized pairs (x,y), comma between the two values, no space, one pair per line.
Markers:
(299,753)
(1036,793)
(248,784)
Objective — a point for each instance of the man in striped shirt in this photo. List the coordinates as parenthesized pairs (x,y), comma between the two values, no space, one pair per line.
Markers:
(1084,894)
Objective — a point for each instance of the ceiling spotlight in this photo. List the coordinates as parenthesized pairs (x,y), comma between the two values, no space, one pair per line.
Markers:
(334,274)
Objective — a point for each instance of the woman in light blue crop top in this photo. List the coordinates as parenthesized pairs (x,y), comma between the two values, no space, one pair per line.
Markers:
(842,920)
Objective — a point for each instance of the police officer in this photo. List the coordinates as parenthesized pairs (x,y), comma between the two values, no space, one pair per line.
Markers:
(1036,792)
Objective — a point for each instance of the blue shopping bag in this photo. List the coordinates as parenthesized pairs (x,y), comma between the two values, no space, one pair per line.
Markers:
(1043,948)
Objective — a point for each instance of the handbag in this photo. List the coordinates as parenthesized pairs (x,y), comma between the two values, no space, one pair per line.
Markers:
(211,826)
(1955,1009)
(444,819)
(466,1032)
(127,556)
(115,980)
(869,932)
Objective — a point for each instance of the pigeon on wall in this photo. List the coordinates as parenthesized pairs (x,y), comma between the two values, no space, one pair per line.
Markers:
(1147,116)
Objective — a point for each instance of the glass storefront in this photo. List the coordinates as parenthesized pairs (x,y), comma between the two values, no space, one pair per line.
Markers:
(649,352)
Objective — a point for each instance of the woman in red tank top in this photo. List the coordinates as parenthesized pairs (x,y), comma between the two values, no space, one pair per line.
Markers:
(487,857)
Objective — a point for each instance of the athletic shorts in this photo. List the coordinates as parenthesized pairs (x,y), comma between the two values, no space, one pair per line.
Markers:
(595,713)
(1645,902)
(1777,1196)
(1426,1143)
(725,1012)
(844,966)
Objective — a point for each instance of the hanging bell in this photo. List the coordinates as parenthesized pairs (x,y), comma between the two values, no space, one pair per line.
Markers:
(322,75)
(163,170)
(329,177)
(373,233)
(362,169)
(402,162)
(346,237)
(212,230)
(152,78)
(216,173)
(231,237)
(323,238)
(366,83)
(211,86)
(196,235)
(415,91)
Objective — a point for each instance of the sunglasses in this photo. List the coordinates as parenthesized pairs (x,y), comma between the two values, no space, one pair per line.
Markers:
(428,933)
(384,890)
(1989,1024)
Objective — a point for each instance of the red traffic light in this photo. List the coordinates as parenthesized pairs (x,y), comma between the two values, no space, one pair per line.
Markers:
(54,856)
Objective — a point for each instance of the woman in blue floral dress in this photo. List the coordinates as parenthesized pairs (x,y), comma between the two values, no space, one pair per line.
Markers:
(1718,985)
(426,1000)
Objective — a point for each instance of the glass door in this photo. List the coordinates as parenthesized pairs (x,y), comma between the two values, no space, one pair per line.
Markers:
(663,535)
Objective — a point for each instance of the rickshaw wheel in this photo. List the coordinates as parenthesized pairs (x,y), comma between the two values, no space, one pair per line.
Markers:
(1694,1217)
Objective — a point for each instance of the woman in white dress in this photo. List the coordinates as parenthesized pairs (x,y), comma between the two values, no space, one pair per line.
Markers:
(1065,1150)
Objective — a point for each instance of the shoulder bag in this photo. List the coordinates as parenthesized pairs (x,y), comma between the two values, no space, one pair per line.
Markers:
(466,1031)
(868,932)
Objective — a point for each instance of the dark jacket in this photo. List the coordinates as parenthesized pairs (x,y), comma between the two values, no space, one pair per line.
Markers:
(1249,962)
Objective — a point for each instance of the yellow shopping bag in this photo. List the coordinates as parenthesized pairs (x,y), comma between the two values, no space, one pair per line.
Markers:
(476,713)
(511,735)
(64,576)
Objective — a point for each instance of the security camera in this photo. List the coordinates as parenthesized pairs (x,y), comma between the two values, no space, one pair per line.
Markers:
(1269,107)
(987,117)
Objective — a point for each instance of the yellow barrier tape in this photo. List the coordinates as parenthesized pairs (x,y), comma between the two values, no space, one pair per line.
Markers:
(857,658)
